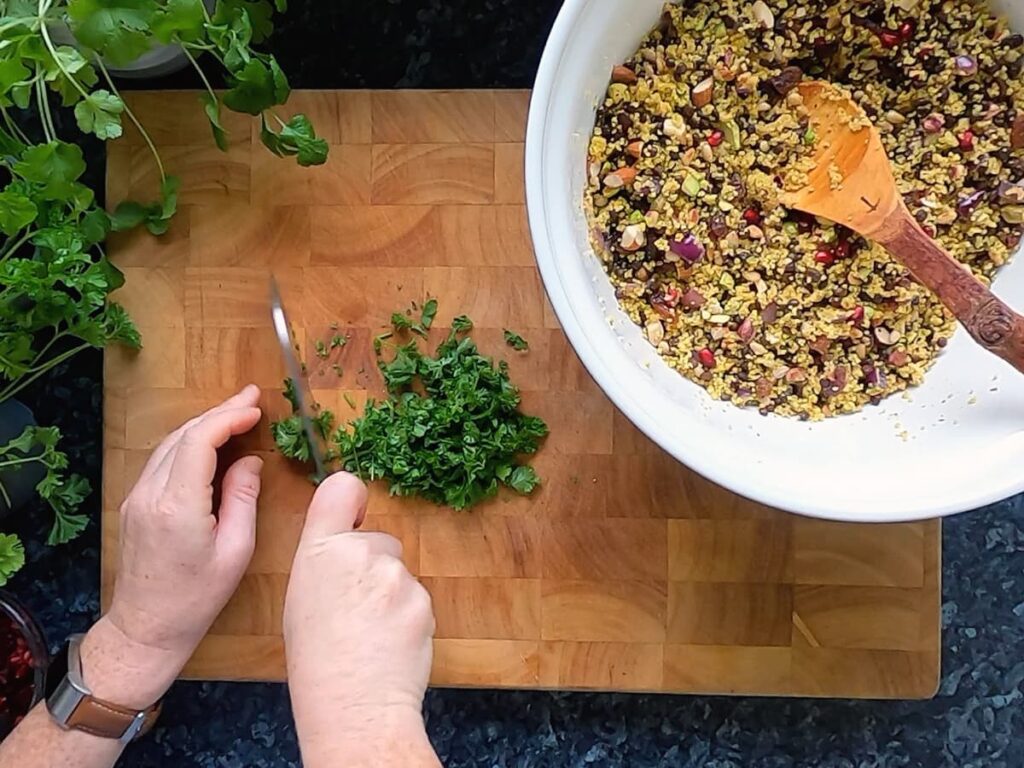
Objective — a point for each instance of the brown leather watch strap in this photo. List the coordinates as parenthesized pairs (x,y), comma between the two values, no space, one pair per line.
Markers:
(109,721)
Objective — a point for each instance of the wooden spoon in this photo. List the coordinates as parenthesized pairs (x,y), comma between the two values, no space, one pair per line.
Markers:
(868,202)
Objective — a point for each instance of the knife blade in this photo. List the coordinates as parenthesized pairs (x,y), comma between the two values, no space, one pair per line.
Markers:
(303,393)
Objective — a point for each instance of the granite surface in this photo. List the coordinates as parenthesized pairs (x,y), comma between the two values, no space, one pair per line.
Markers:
(976,720)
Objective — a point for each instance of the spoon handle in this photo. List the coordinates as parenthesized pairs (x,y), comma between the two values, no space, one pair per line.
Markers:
(987,318)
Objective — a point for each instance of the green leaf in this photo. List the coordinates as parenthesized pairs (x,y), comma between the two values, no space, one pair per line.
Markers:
(252,89)
(69,61)
(281,88)
(117,29)
(160,214)
(429,313)
(299,136)
(17,211)
(100,114)
(94,226)
(66,527)
(12,556)
(54,167)
(128,215)
(523,480)
(181,19)
(11,71)
(517,342)
(118,327)
(462,324)
(64,496)
(212,108)
(401,322)
(281,5)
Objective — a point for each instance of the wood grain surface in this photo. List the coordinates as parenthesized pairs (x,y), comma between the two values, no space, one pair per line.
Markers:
(626,571)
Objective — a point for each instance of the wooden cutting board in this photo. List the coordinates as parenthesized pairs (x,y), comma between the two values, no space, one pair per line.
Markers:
(625,572)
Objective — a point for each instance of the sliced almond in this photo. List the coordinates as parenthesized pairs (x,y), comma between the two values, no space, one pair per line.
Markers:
(621,177)
(703,92)
(762,14)
(623,74)
(655,332)
(633,238)
(634,149)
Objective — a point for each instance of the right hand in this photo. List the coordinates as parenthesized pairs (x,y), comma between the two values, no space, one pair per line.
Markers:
(357,624)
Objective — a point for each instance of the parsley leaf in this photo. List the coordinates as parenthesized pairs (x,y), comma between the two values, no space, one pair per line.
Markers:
(338,341)
(321,349)
(517,342)
(462,324)
(429,313)
(12,556)
(63,492)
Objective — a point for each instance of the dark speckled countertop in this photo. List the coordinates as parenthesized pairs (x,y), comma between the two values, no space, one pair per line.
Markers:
(977,719)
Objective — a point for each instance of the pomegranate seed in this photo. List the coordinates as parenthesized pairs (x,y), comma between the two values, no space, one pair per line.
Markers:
(752,216)
(889,39)
(824,257)
(715,138)
(907,29)
(929,230)
(966,140)
(706,358)
(841,249)
(857,314)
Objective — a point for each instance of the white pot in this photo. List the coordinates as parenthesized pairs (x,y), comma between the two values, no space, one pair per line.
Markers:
(158,61)
(894,462)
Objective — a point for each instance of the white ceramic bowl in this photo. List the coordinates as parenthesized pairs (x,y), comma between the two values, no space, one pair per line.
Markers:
(956,443)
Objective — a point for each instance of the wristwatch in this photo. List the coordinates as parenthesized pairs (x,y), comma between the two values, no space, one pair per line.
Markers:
(73,707)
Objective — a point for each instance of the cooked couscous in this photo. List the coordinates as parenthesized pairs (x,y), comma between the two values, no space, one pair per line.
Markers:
(764,306)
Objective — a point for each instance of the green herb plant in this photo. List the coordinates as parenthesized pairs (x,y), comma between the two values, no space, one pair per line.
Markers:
(450,430)
(54,276)
(63,492)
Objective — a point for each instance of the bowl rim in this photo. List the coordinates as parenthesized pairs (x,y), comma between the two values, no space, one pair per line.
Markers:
(583,344)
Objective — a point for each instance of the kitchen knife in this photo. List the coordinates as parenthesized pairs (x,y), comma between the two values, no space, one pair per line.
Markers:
(304,399)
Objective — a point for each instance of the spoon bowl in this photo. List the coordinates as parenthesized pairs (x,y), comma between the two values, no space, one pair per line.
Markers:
(851,182)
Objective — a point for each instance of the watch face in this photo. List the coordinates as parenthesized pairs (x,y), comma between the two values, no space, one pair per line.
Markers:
(57,671)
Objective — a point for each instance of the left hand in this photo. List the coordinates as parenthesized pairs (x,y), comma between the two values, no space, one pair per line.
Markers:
(180,563)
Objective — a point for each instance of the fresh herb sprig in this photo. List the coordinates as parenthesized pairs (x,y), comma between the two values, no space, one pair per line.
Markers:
(63,492)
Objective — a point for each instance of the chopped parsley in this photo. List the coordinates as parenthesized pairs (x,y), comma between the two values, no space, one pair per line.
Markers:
(517,342)
(450,429)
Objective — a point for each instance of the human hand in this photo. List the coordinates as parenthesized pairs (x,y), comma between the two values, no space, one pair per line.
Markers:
(179,563)
(357,630)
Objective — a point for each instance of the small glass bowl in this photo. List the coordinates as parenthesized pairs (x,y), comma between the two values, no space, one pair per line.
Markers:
(24,659)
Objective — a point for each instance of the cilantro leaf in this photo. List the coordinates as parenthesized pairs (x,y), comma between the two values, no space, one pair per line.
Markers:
(17,211)
(253,89)
(100,114)
(181,19)
(54,166)
(338,341)
(212,108)
(321,349)
(117,29)
(517,342)
(12,556)
(297,138)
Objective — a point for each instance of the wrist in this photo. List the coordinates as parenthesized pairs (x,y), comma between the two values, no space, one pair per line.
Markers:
(122,671)
(368,738)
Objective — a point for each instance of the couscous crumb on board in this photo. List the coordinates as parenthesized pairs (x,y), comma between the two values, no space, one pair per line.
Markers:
(767,307)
